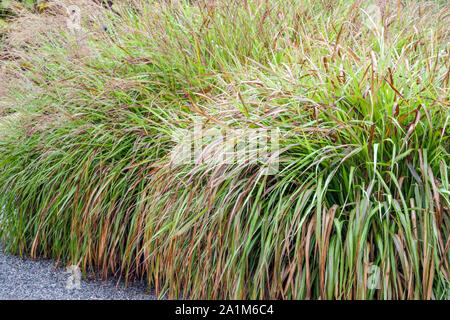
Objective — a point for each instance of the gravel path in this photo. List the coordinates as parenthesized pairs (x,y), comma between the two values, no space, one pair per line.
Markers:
(31,280)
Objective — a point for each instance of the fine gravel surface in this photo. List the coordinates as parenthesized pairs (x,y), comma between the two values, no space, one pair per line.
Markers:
(40,279)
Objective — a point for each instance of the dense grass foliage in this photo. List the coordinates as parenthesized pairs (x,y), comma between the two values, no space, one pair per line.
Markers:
(362,105)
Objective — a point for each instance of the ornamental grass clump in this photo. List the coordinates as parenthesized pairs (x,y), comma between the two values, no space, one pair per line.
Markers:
(358,207)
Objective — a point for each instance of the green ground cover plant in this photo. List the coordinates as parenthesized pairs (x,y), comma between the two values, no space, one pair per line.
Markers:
(359,208)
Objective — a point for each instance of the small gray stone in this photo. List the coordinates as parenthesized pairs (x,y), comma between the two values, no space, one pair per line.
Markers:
(27,279)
